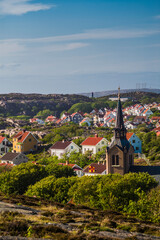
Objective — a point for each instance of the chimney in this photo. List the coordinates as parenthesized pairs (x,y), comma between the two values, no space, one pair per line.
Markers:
(96,135)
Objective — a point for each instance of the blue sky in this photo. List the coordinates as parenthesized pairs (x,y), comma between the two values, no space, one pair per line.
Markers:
(74,46)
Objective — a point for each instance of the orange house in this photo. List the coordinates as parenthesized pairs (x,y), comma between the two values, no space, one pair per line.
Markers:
(24,142)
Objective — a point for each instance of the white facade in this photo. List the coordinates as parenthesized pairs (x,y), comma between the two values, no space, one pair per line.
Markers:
(95,174)
(60,152)
(4,146)
(95,148)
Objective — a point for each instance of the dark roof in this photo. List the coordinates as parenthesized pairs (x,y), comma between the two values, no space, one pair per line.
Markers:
(61,145)
(152,170)
(121,143)
(9,156)
(99,168)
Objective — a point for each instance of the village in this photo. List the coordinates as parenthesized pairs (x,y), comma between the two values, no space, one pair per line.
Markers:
(22,142)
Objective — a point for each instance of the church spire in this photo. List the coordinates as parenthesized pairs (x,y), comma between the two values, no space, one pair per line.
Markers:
(119,118)
(119,93)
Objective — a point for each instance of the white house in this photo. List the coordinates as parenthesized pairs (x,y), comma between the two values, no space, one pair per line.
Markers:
(4,145)
(63,147)
(93,144)
(14,158)
(130,125)
(95,169)
(134,141)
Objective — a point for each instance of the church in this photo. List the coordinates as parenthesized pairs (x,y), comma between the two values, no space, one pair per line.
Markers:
(119,154)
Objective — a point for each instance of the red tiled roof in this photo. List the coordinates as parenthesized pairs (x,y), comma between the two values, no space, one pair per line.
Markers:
(21,136)
(1,139)
(129,135)
(60,145)
(92,141)
(145,111)
(98,168)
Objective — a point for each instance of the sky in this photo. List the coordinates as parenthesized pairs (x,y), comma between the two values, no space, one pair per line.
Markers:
(79,46)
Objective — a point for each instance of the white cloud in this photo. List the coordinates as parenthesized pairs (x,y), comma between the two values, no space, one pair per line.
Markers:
(19,7)
(64,47)
(95,34)
(13,48)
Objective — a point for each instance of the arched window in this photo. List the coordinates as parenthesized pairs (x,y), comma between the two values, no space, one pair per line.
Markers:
(113,159)
(117,160)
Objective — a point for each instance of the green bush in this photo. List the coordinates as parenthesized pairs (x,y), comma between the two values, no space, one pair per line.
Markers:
(52,188)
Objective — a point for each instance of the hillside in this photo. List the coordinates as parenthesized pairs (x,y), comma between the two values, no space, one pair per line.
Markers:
(34,218)
(16,104)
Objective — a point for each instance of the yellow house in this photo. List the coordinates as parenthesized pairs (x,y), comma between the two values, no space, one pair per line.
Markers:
(24,142)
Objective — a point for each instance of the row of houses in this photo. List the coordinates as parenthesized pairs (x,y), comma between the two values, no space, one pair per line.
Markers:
(91,144)
(103,117)
(25,142)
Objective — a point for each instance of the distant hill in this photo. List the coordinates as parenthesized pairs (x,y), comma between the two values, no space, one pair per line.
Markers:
(14,104)
(112,92)
(29,105)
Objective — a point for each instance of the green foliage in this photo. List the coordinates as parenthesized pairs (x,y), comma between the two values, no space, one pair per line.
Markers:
(133,193)
(59,171)
(111,191)
(64,132)
(78,141)
(44,113)
(52,189)
(150,142)
(20,177)
(147,207)
(20,117)
(82,107)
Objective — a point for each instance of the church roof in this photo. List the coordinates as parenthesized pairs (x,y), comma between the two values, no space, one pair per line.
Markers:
(120,142)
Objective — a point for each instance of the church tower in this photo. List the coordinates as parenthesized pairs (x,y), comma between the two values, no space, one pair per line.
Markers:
(119,154)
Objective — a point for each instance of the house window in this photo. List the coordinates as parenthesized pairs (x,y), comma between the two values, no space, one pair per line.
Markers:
(2,149)
(133,141)
(35,146)
(137,148)
(99,149)
(113,159)
(30,140)
(71,147)
(3,143)
(102,142)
